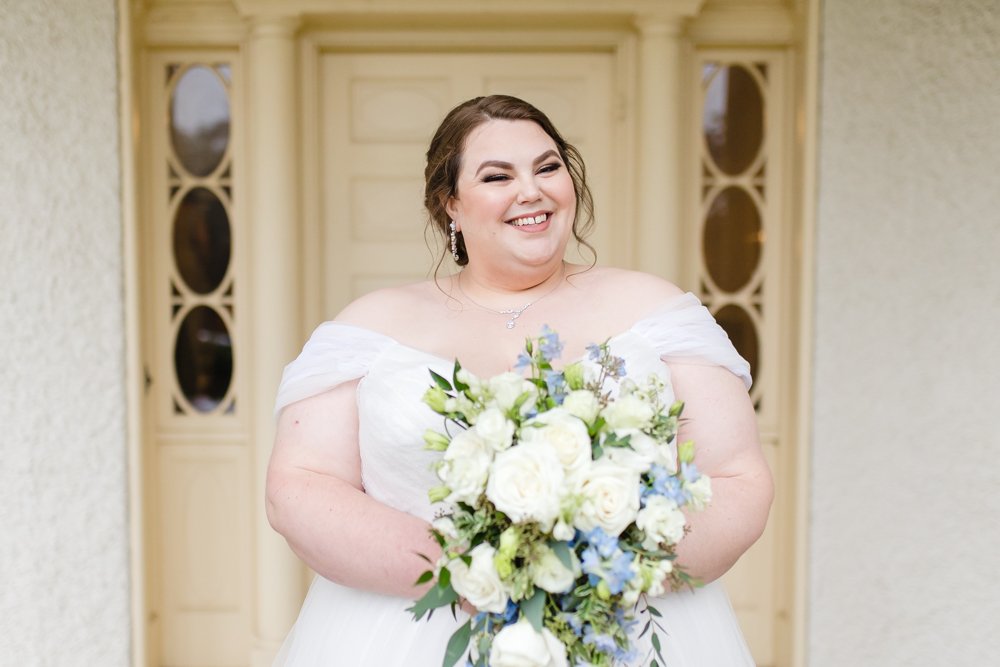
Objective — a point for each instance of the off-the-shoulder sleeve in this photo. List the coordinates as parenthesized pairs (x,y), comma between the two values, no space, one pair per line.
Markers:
(335,353)
(684,330)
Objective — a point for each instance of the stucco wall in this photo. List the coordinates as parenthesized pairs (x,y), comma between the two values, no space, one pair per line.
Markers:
(63,529)
(907,347)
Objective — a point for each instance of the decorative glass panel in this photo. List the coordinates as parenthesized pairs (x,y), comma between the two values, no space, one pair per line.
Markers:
(732,238)
(199,120)
(203,358)
(743,332)
(201,240)
(733,118)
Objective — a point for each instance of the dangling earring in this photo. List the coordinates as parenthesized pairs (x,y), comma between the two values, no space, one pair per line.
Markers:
(454,240)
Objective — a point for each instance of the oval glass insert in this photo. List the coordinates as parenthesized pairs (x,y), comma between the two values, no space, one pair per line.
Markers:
(202,244)
(203,358)
(732,238)
(199,120)
(733,119)
(742,332)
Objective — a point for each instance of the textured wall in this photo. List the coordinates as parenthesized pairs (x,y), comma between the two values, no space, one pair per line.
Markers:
(907,395)
(63,529)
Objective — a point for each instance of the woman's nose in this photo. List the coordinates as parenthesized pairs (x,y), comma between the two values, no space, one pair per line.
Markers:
(528,190)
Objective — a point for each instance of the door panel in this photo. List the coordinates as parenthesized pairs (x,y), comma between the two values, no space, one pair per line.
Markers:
(378,113)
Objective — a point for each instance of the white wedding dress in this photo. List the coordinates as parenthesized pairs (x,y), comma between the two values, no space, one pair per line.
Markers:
(343,626)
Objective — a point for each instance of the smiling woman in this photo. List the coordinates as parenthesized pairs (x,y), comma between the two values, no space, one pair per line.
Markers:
(348,478)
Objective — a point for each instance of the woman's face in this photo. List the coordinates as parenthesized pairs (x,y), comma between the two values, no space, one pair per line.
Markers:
(515,201)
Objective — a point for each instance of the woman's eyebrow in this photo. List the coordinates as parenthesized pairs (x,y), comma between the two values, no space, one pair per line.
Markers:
(499,164)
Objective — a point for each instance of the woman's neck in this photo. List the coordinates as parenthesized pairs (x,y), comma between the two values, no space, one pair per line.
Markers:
(502,289)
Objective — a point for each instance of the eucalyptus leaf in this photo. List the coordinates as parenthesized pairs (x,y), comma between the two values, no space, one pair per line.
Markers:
(534,609)
(562,553)
(457,645)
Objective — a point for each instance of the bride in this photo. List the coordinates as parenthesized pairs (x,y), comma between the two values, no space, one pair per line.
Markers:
(348,477)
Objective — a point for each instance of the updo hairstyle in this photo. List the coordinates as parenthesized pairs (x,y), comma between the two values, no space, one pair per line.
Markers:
(444,160)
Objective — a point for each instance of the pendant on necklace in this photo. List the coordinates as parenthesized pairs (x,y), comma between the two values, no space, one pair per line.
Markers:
(514,314)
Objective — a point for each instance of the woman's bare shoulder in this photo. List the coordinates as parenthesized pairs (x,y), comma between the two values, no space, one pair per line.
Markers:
(390,309)
(634,289)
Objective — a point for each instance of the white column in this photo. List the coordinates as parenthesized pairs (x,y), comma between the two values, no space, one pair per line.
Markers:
(658,237)
(272,202)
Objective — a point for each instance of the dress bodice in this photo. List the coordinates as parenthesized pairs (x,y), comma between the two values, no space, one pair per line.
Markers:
(395,467)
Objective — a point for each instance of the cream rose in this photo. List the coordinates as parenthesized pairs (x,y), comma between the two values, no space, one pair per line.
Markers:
(610,497)
(465,467)
(566,434)
(628,412)
(550,574)
(662,522)
(583,404)
(494,428)
(506,388)
(479,582)
(519,645)
(525,483)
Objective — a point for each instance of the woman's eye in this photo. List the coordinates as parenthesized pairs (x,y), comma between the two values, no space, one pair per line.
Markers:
(494,178)
(549,168)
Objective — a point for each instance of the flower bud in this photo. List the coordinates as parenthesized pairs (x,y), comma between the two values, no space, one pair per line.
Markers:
(434,441)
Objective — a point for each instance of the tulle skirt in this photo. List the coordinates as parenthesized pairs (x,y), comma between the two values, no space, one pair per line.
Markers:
(341,626)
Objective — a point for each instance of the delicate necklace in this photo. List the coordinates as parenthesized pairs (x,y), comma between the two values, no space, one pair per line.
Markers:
(513,312)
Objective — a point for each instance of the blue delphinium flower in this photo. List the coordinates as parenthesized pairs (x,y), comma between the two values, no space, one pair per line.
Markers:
(549,344)
(602,560)
(664,484)
(594,352)
(523,361)
(690,472)
(604,643)
(555,381)
(575,624)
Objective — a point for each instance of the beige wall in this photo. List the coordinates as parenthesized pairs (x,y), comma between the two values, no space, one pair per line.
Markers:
(63,527)
(907,353)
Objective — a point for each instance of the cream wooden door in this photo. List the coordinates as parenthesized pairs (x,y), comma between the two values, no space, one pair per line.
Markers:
(377,115)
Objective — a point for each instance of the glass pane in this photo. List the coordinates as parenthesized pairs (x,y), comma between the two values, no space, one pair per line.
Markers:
(199,120)
(202,244)
(742,332)
(203,358)
(733,119)
(732,239)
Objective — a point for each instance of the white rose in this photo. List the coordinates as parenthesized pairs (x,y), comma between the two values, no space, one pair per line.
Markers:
(628,412)
(525,484)
(465,467)
(583,404)
(701,492)
(562,531)
(506,388)
(610,497)
(479,582)
(565,433)
(550,574)
(518,645)
(629,458)
(493,427)
(662,522)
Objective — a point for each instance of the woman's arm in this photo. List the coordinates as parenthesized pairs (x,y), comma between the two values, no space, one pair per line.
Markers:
(719,417)
(316,501)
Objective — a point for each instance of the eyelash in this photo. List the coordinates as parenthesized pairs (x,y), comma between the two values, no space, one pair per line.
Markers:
(544,169)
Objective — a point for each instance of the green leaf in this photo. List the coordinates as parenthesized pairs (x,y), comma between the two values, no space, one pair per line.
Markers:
(653,663)
(444,577)
(460,386)
(562,553)
(440,381)
(424,578)
(656,642)
(457,645)
(437,596)
(534,608)
(654,612)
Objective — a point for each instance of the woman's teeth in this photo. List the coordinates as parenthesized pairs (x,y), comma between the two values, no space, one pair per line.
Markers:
(536,220)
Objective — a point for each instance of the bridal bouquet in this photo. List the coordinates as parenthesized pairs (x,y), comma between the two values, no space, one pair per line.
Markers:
(562,495)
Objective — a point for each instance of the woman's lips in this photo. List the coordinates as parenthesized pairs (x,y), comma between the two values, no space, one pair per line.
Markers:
(529,220)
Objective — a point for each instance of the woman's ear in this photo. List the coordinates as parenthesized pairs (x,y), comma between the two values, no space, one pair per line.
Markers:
(451,207)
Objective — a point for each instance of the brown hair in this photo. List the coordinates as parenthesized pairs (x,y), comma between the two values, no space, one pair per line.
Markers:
(444,160)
